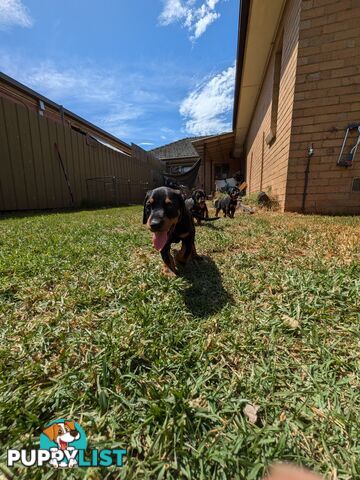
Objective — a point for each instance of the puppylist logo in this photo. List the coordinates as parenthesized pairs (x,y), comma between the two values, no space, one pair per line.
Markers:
(63,445)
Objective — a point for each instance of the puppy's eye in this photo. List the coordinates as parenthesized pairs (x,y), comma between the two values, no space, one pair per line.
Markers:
(59,431)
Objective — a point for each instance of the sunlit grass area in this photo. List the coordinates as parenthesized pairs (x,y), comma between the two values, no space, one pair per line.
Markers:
(91,331)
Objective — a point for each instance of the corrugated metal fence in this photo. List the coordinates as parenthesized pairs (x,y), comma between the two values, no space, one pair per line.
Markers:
(45,165)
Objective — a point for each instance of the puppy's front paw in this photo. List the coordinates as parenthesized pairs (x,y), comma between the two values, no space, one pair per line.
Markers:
(167,272)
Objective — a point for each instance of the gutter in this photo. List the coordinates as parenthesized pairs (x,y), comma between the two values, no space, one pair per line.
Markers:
(242,32)
(212,138)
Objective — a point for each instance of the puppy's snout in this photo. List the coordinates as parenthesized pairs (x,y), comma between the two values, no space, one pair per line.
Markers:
(74,433)
(156,224)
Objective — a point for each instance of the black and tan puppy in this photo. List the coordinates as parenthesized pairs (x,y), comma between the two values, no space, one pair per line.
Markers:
(167,217)
(227,204)
(196,205)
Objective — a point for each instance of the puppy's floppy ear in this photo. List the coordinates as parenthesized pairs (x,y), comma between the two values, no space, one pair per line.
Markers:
(193,195)
(147,196)
(71,425)
(181,200)
(51,432)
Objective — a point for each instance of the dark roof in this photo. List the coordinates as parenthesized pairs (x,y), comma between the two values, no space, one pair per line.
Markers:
(179,149)
(38,96)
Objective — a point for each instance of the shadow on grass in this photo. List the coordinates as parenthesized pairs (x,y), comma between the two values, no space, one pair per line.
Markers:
(206,294)
(212,226)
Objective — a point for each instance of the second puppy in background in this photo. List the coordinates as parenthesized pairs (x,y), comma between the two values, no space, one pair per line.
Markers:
(196,206)
(227,204)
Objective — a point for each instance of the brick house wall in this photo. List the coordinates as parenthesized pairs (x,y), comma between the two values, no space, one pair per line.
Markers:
(266,163)
(327,99)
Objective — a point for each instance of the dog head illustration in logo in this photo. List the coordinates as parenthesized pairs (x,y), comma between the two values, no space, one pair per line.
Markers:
(62,434)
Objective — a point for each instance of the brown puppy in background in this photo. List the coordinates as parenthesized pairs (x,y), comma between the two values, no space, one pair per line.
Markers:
(228,204)
(196,205)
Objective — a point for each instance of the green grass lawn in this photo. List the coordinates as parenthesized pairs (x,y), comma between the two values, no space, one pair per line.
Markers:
(91,331)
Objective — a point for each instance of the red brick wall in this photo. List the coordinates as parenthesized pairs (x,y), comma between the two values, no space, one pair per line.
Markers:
(327,99)
(267,164)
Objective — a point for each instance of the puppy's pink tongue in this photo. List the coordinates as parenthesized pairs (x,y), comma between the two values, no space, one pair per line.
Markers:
(159,239)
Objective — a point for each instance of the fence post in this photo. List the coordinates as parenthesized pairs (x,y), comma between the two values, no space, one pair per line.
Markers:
(114,190)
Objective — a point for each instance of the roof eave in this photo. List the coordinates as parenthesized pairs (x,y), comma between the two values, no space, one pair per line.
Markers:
(257,38)
(212,138)
(242,31)
(177,157)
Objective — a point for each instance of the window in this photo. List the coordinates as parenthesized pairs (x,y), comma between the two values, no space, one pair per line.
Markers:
(221,171)
(275,93)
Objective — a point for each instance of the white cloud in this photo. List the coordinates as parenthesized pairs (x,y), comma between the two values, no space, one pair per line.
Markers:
(132,101)
(90,84)
(14,12)
(202,24)
(173,11)
(88,91)
(61,83)
(206,109)
(196,19)
(118,117)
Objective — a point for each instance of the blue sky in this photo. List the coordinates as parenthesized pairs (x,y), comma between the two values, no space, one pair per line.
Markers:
(148,71)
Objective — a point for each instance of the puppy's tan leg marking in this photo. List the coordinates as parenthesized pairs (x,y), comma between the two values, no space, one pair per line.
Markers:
(167,272)
(170,270)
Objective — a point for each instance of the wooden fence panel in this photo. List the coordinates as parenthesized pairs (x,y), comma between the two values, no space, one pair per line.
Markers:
(32,174)
(27,157)
(41,183)
(8,194)
(15,155)
(68,160)
(62,197)
(84,166)
(48,164)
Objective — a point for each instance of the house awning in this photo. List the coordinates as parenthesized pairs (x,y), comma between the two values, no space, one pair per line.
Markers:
(188,178)
(218,148)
